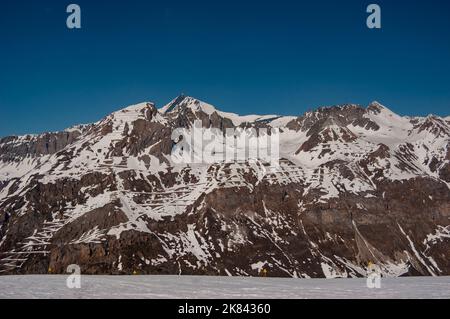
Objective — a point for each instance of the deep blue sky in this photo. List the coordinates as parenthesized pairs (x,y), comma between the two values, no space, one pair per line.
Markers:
(281,56)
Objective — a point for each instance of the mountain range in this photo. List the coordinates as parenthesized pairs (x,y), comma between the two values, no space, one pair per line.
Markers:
(355,186)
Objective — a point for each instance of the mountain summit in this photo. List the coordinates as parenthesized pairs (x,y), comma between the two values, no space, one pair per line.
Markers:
(183,102)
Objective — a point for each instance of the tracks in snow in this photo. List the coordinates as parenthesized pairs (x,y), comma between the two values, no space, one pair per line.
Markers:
(36,244)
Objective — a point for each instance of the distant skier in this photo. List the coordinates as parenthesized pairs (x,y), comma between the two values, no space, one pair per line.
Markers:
(263,272)
(373,276)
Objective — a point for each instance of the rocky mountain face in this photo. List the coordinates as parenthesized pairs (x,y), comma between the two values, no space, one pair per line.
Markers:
(353,186)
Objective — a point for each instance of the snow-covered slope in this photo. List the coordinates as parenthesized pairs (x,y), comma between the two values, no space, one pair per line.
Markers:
(354,185)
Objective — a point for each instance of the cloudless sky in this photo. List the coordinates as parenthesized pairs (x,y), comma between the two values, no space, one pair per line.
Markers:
(283,57)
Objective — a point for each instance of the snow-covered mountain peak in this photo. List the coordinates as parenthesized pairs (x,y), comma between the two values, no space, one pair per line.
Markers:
(381,111)
(434,125)
(172,104)
(136,110)
(130,114)
(389,122)
(183,102)
(376,107)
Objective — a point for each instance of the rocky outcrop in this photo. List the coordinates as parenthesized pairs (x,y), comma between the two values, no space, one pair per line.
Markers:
(14,148)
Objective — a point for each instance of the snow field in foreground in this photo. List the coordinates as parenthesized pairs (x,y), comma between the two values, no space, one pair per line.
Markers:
(193,287)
